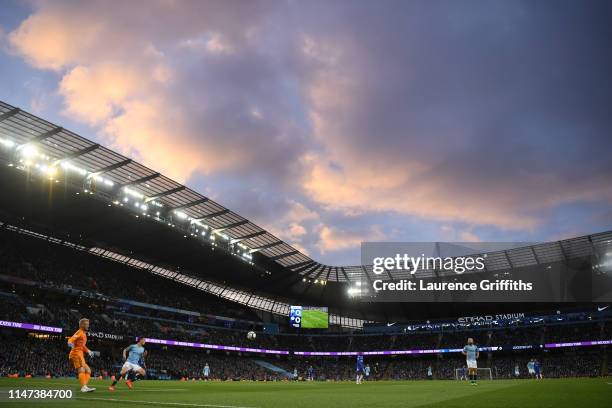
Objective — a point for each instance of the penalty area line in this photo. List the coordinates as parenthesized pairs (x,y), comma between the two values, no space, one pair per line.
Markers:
(179,404)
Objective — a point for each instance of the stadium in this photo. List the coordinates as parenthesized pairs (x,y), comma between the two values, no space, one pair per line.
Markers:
(121,287)
(108,218)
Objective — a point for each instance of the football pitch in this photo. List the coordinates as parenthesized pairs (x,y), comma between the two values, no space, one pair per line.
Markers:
(314,319)
(590,393)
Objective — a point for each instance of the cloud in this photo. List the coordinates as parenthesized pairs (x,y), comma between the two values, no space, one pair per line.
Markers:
(180,110)
(49,40)
(456,120)
(311,116)
(334,239)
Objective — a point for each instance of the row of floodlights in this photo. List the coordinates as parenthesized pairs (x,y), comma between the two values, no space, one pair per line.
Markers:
(28,156)
(321,282)
(212,234)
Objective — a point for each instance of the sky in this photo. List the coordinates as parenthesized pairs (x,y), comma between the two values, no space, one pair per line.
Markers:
(334,122)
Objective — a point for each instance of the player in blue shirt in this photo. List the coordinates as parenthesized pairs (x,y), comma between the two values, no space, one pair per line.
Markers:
(310,373)
(133,355)
(206,371)
(359,369)
(537,369)
(366,371)
(470,351)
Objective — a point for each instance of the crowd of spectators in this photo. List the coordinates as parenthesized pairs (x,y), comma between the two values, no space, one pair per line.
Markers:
(29,355)
(41,261)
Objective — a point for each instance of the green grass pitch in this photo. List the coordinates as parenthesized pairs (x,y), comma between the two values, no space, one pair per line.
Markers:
(591,393)
(315,319)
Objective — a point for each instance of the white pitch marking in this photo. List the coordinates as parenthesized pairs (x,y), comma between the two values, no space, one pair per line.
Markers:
(150,389)
(137,389)
(180,404)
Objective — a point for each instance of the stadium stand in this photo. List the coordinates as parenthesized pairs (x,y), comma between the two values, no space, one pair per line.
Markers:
(43,283)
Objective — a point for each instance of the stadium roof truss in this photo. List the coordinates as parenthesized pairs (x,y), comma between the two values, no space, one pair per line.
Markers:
(19,128)
(115,172)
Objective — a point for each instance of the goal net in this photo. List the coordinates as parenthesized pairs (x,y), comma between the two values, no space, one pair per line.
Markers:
(483,374)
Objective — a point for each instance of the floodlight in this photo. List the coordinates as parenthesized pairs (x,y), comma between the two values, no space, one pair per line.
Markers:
(29,151)
(7,143)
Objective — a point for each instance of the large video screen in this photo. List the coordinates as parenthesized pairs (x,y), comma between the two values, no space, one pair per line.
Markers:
(309,317)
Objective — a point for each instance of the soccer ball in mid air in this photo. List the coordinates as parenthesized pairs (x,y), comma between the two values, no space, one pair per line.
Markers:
(251,335)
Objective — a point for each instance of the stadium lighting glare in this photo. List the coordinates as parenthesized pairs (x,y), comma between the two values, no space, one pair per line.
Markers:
(353,291)
(125,199)
(28,151)
(69,166)
(181,215)
(303,279)
(133,193)
(50,171)
(7,143)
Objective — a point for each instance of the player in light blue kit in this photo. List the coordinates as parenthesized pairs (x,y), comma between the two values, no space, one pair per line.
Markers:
(206,371)
(359,369)
(530,367)
(133,355)
(470,351)
(366,371)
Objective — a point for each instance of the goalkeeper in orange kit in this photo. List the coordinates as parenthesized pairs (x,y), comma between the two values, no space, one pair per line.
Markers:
(77,343)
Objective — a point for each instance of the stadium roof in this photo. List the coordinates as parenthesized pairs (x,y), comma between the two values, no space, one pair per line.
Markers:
(120,172)
(61,144)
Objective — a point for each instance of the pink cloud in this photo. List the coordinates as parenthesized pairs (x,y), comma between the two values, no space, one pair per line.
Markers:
(334,239)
